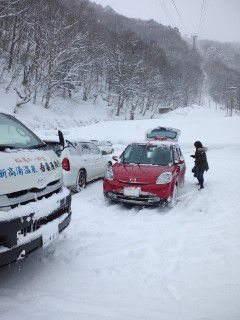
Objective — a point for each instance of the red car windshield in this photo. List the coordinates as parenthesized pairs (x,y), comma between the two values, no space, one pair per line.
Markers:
(147,154)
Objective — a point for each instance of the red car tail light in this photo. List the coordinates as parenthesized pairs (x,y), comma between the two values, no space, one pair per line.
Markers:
(66,164)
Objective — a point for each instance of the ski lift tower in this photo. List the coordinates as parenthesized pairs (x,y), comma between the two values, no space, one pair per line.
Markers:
(195,37)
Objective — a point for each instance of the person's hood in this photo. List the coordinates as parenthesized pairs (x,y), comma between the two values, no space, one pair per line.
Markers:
(203,149)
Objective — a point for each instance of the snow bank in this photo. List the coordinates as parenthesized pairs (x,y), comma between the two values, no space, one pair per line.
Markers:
(210,126)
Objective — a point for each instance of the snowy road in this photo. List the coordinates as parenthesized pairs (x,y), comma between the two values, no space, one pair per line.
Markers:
(124,263)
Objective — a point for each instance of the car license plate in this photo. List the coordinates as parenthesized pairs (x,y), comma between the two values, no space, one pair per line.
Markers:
(131,192)
(50,234)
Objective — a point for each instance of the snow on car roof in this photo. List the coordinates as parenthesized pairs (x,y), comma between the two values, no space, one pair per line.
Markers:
(163,127)
(158,142)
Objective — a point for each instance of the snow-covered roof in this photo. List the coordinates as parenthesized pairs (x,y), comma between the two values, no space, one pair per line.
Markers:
(163,142)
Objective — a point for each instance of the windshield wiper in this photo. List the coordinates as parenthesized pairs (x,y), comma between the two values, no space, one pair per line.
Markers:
(5,146)
(38,146)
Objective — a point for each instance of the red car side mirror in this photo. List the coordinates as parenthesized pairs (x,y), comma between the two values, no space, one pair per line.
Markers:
(115,158)
(180,161)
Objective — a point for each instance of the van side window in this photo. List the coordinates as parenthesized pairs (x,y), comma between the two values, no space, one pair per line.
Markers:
(73,151)
(94,149)
(84,148)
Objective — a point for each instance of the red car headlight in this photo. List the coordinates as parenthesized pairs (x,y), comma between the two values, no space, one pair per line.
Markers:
(109,173)
(164,178)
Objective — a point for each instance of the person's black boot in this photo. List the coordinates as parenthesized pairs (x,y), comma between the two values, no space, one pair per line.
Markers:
(201,187)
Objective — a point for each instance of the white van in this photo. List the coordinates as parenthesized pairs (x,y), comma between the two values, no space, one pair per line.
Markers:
(34,205)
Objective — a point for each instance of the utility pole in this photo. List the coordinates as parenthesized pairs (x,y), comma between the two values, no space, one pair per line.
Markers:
(232,103)
(200,98)
(194,37)
(226,101)
(232,92)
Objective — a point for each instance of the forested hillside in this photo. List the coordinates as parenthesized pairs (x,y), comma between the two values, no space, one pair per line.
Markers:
(69,47)
(222,66)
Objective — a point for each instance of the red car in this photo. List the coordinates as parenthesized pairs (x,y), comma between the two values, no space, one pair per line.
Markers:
(147,174)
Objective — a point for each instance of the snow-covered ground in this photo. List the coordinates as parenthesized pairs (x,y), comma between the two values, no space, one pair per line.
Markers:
(121,263)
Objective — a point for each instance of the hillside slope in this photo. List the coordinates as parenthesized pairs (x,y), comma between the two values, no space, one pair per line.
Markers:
(221,62)
(75,49)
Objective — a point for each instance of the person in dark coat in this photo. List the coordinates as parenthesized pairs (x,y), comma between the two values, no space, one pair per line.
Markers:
(201,163)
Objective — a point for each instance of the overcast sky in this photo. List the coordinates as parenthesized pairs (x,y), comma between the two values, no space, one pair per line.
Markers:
(222,21)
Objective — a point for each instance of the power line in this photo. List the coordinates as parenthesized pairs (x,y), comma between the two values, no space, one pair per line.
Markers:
(202,20)
(203,16)
(179,15)
(167,13)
